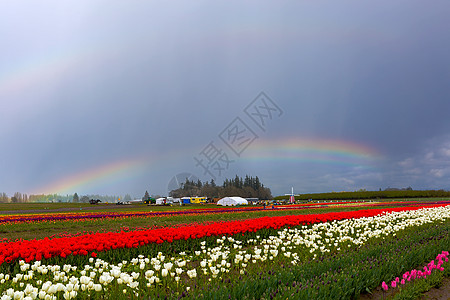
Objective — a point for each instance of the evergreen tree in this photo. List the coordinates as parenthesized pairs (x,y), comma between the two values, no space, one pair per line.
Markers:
(250,187)
(257,183)
(246,181)
(236,182)
(75,198)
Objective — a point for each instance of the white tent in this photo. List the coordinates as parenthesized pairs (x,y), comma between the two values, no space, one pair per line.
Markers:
(232,201)
(160,201)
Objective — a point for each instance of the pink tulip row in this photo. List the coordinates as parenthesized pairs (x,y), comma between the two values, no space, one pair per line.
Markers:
(417,274)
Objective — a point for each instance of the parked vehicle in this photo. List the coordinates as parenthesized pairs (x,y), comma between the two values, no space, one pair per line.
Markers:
(150,200)
(194,200)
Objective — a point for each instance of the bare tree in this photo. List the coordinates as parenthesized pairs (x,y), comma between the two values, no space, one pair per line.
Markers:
(4,198)
(18,197)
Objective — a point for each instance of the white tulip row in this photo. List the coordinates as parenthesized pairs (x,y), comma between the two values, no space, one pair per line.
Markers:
(37,281)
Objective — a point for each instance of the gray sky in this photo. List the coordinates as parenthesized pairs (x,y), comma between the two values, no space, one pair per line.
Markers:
(114,97)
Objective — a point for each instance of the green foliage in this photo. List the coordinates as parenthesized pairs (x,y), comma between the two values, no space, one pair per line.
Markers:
(414,290)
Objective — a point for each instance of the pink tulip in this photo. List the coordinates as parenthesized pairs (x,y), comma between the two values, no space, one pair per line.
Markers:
(413,274)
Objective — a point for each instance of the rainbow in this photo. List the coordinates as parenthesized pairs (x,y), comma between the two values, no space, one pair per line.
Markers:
(103,174)
(313,150)
(261,151)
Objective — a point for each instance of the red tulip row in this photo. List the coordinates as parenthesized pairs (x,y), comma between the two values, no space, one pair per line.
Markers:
(87,216)
(16,219)
(30,250)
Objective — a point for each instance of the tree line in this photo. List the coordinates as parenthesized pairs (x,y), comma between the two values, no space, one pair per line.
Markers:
(248,187)
(386,194)
(24,198)
(75,198)
(102,198)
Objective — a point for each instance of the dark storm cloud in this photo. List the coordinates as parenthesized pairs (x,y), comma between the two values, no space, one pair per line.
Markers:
(86,84)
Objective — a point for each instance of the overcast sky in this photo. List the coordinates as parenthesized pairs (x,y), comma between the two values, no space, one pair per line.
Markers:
(116,97)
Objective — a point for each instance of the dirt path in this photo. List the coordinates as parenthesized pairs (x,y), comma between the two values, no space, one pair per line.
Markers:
(441,293)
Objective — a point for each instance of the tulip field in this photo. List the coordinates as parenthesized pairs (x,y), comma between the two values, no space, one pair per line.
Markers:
(339,250)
